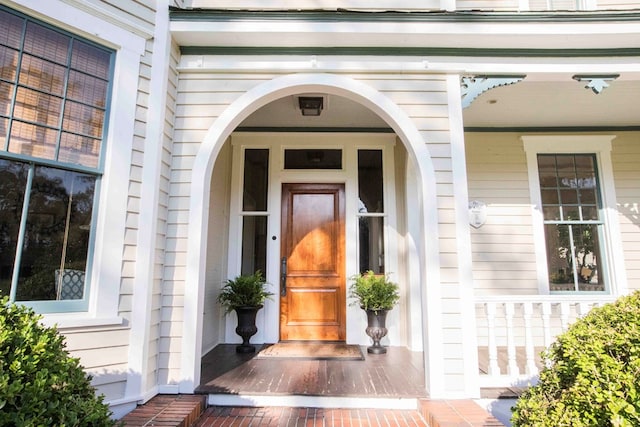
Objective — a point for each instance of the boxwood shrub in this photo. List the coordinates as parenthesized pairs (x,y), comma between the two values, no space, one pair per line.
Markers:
(592,374)
(40,383)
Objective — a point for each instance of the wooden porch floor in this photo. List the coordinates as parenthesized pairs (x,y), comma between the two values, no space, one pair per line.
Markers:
(397,374)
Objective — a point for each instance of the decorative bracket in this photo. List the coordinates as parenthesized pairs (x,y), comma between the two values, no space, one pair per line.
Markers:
(596,83)
(472,87)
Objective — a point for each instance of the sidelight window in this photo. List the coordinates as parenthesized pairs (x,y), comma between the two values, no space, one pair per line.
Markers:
(371,212)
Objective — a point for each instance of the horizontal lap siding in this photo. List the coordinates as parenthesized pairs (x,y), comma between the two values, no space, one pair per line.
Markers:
(625,157)
(104,352)
(164,243)
(425,100)
(200,99)
(503,248)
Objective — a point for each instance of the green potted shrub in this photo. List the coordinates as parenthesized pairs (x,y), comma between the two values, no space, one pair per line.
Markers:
(376,295)
(245,295)
(40,382)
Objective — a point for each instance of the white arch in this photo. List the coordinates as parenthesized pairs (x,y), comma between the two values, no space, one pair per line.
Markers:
(216,136)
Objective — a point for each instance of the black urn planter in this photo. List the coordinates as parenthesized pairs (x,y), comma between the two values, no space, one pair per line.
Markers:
(246,327)
(376,329)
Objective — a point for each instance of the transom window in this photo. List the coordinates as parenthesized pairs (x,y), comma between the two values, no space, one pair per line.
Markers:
(572,226)
(54,94)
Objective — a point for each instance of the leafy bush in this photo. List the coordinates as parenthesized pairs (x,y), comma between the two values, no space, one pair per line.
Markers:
(592,376)
(374,291)
(40,384)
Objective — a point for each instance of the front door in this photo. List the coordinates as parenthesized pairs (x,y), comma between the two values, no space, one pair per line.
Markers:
(312,283)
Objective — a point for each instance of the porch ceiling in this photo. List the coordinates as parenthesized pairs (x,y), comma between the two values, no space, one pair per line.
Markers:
(558,103)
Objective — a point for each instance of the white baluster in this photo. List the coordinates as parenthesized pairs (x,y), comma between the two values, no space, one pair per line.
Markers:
(493,368)
(512,364)
(564,315)
(531,368)
(583,308)
(546,323)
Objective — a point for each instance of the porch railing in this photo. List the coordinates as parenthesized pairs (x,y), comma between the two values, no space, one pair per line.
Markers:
(513,331)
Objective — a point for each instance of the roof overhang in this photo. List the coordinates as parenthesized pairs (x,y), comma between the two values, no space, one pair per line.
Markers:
(407,30)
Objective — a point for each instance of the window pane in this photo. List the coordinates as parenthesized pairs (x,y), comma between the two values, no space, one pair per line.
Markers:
(13,181)
(559,257)
(254,244)
(587,255)
(550,197)
(37,107)
(11,34)
(87,89)
(256,174)
(4,127)
(370,181)
(371,244)
(31,140)
(8,63)
(313,159)
(80,150)
(90,60)
(46,43)
(82,119)
(42,75)
(54,254)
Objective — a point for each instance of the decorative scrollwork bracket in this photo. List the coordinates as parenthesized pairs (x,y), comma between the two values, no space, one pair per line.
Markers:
(472,87)
(597,83)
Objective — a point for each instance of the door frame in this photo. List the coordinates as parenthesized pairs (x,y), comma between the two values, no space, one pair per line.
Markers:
(268,318)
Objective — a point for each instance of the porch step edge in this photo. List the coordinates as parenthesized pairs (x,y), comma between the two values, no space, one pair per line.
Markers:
(327,402)
(167,410)
(456,413)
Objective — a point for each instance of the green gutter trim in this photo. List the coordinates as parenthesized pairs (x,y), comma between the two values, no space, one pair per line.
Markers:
(406,51)
(549,129)
(293,129)
(521,129)
(343,15)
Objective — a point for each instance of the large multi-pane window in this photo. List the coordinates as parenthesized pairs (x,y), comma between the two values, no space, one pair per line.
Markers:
(54,93)
(571,206)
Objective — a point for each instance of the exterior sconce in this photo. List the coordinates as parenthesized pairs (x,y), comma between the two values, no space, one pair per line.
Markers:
(310,105)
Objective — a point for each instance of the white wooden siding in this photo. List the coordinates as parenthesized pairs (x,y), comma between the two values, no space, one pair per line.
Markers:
(625,157)
(503,248)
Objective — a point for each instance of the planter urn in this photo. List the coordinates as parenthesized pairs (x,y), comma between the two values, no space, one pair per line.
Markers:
(246,327)
(376,330)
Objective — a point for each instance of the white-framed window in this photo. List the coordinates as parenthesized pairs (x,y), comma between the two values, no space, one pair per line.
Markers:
(573,200)
(54,96)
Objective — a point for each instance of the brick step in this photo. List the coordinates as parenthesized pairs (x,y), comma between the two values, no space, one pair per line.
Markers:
(167,411)
(456,413)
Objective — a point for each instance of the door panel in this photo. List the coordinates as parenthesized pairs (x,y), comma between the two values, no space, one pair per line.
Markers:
(313,306)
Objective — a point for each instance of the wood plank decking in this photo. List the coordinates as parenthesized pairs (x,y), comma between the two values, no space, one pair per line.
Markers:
(399,373)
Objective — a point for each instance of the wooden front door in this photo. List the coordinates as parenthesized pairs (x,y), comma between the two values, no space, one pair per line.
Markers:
(312,280)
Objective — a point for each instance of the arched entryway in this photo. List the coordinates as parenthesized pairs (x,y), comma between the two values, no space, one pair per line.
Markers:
(421,211)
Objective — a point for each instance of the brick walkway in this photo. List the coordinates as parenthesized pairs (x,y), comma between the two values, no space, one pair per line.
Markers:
(189,410)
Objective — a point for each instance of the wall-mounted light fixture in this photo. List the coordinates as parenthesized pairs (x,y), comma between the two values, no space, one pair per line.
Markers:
(311,105)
